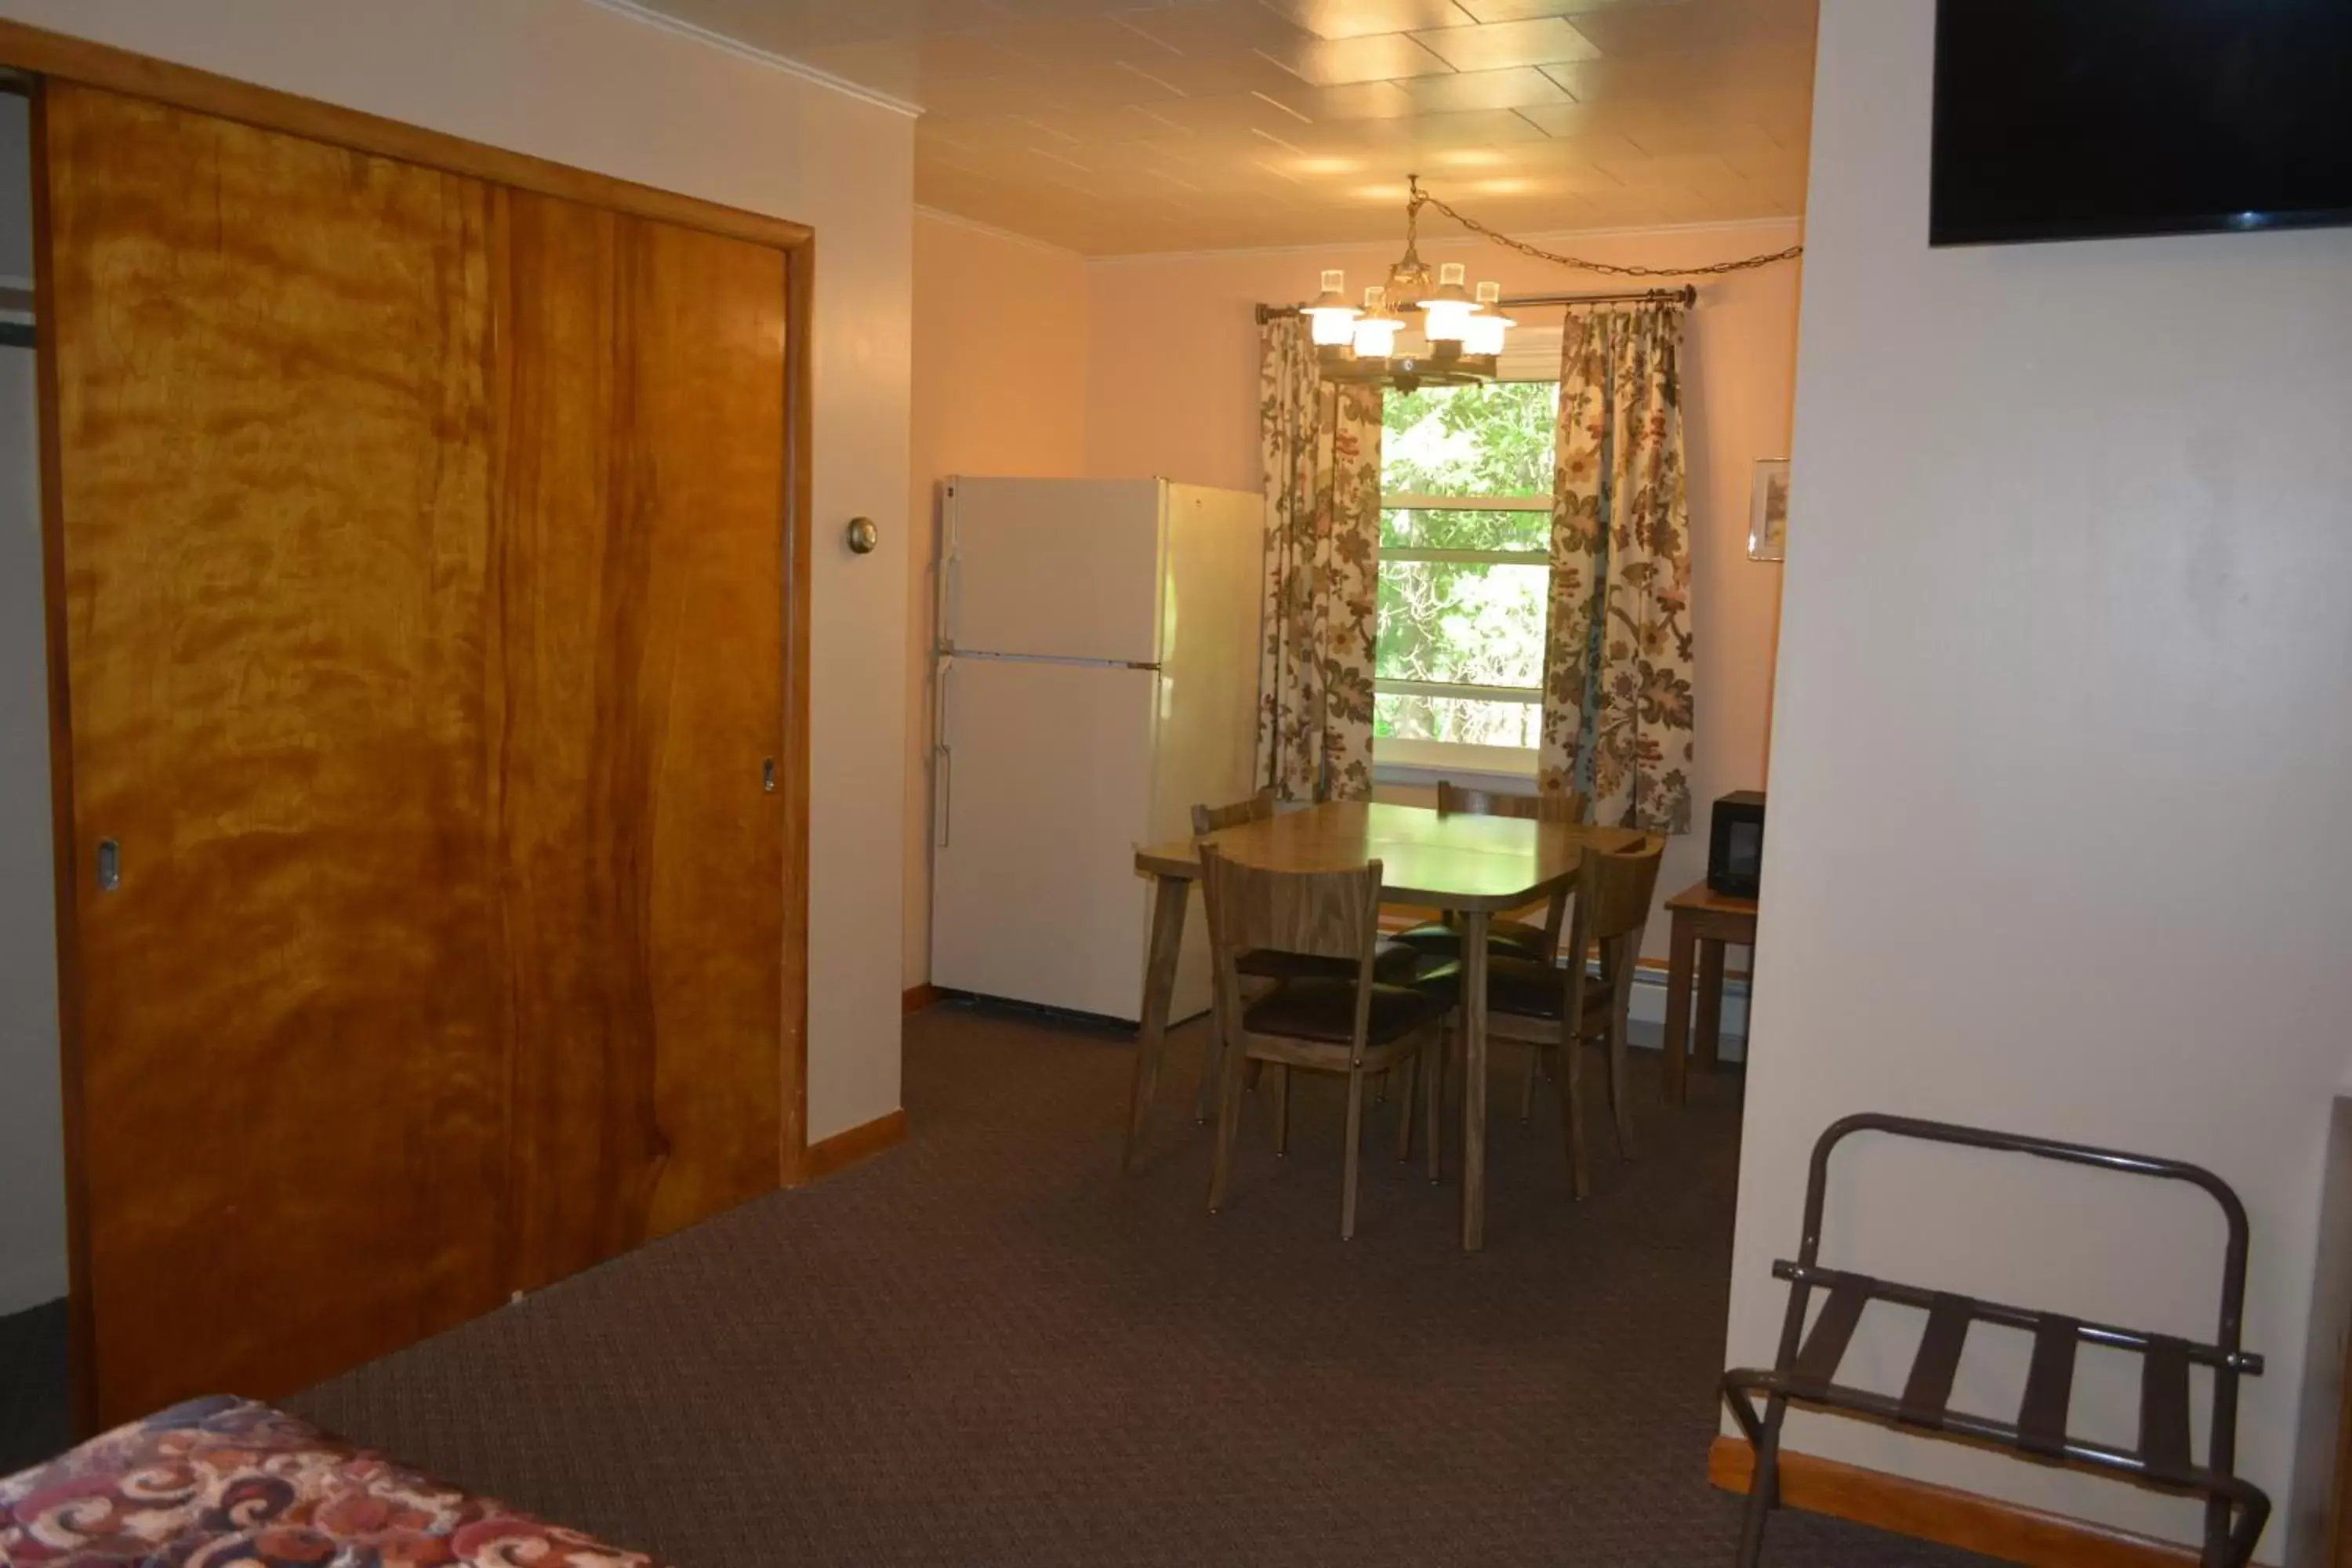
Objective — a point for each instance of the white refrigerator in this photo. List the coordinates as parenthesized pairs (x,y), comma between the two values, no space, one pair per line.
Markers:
(1099,651)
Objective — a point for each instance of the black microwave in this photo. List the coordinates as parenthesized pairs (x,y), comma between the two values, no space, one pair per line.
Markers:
(1735,844)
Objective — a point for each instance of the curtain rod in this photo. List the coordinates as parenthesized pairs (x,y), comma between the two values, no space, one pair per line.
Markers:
(1687,294)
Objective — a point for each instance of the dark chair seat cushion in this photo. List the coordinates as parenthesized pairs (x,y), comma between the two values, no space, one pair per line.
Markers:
(1516,938)
(1314,1008)
(1392,960)
(1519,987)
(1529,990)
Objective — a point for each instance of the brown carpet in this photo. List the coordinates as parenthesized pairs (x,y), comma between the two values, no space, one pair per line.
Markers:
(987,1347)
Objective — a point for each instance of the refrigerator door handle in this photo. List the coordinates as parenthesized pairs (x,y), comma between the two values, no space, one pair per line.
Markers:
(948,574)
(944,611)
(943,785)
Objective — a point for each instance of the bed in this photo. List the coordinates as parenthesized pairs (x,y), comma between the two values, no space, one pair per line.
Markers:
(222,1481)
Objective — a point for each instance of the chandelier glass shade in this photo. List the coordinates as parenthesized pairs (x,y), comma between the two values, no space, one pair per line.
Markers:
(1464,330)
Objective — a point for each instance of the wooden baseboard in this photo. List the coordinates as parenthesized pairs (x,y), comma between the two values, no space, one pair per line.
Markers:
(1950,1517)
(846,1148)
(916,997)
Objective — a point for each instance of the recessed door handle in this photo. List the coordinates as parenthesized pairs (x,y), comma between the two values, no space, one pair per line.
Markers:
(767,775)
(109,866)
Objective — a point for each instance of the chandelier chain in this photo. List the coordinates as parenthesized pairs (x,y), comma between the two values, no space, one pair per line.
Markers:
(1612,269)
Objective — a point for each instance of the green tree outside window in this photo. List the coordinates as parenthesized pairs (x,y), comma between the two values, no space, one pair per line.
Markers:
(1462,588)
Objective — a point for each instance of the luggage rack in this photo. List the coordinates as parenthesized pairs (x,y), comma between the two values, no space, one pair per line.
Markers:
(1806,1368)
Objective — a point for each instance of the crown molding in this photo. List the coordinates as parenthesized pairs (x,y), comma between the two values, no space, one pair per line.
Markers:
(638,12)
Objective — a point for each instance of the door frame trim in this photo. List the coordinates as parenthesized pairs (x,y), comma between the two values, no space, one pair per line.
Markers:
(42,54)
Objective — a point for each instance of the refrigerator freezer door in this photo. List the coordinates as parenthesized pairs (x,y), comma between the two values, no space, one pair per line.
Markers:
(1053,568)
(1046,786)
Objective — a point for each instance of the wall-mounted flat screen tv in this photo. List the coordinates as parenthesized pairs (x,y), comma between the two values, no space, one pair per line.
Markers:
(2080,119)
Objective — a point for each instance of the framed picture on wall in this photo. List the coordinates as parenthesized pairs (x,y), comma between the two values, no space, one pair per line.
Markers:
(1767,511)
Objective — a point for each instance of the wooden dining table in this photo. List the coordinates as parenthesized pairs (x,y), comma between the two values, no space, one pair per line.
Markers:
(1471,867)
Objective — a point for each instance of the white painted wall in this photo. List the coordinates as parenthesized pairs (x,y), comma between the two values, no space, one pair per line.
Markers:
(600,86)
(32,1143)
(2063,741)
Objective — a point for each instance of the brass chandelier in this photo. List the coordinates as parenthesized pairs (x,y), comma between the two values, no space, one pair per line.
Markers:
(1465,330)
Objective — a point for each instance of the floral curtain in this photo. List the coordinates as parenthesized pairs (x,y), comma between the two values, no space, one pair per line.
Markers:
(1322,449)
(1617,656)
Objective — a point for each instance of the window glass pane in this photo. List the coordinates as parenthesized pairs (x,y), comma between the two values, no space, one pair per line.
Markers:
(1458,719)
(1450,530)
(1491,440)
(1477,624)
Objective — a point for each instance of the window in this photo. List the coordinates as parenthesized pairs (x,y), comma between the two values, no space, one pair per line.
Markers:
(1465,563)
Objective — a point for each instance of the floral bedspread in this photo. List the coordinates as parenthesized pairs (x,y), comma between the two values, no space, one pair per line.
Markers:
(227,1483)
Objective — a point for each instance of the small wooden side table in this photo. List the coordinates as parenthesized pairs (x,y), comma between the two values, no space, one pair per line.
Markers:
(1707,921)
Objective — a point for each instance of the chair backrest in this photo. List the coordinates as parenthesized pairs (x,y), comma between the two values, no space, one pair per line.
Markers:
(1556,806)
(1323,914)
(1553,805)
(1614,891)
(1208,819)
(1612,907)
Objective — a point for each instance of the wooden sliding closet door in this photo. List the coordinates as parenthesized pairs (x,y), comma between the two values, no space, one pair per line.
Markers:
(422,557)
(638,674)
(273,477)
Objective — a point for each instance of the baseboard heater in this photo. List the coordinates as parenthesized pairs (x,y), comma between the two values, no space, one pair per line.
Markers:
(1646,1014)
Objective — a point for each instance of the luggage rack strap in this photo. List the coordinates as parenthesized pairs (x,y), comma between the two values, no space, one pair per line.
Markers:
(1817,1363)
(2164,1408)
(2049,1385)
(1930,1387)
(2112,1335)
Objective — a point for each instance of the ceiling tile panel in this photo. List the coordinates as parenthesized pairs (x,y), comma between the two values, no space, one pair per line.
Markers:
(982,96)
(1486,128)
(1521,10)
(1362,18)
(1129,125)
(1661,134)
(1358,100)
(922,61)
(1603,149)
(1239,111)
(1701,26)
(1673,83)
(1195,74)
(1498,46)
(1053,10)
(1079,42)
(1386,57)
(1214,25)
(1109,86)
(1485,90)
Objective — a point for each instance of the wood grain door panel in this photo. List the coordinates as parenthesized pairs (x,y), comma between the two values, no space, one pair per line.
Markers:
(422,559)
(640,677)
(705,444)
(275,444)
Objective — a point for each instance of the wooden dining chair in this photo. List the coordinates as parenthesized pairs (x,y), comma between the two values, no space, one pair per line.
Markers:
(1346,1022)
(1208,819)
(1506,937)
(1395,959)
(1555,1010)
